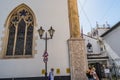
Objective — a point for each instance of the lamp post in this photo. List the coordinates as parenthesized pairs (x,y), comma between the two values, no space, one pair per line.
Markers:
(45,54)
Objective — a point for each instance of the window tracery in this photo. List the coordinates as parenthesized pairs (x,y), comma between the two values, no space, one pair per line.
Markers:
(20,32)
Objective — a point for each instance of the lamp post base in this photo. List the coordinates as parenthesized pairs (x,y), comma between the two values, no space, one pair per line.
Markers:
(46,70)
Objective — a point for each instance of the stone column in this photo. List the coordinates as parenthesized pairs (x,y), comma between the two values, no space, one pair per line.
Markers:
(78,59)
(76,45)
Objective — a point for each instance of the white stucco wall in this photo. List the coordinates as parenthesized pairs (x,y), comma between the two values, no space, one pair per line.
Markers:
(95,45)
(112,38)
(101,31)
(48,13)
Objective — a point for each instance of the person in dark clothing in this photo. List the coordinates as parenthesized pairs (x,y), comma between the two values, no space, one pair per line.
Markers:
(89,74)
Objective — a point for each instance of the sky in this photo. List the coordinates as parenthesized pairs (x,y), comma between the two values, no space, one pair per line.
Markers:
(100,11)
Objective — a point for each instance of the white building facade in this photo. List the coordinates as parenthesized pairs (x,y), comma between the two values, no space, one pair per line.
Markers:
(111,41)
(95,48)
(105,48)
(33,14)
(22,51)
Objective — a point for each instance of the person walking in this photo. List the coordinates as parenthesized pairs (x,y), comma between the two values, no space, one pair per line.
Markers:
(51,74)
(95,76)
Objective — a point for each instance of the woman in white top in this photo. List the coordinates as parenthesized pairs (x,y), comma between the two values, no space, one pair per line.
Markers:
(94,74)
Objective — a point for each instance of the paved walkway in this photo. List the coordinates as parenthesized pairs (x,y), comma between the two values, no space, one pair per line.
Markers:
(108,79)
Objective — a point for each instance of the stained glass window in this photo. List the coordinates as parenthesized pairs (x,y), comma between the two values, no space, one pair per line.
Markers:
(19,49)
(20,36)
(29,39)
(11,40)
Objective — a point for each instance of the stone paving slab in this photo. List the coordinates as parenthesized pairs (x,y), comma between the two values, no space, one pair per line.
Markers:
(108,79)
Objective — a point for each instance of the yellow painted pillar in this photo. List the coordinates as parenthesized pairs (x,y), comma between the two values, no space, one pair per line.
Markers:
(76,45)
(73,19)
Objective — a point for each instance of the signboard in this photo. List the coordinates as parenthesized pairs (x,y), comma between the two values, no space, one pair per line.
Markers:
(45,59)
(107,70)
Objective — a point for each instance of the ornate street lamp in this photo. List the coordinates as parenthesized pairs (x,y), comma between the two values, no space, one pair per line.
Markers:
(45,54)
(51,32)
(41,31)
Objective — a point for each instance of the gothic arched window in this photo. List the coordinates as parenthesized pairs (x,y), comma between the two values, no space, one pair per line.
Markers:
(20,31)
